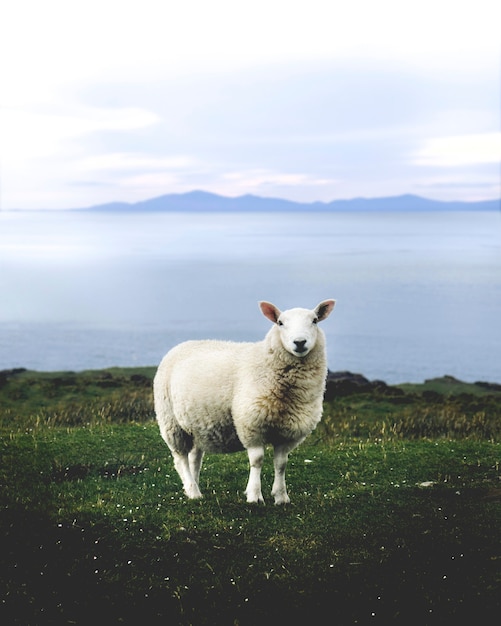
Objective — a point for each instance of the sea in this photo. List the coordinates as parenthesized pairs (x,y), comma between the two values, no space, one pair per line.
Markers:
(418,294)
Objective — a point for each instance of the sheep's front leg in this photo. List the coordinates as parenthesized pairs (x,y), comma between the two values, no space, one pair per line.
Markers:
(256,458)
(280,457)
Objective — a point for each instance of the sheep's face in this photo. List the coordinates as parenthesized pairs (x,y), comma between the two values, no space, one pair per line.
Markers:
(297,328)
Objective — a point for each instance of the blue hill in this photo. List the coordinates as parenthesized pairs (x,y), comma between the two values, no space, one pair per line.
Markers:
(202,201)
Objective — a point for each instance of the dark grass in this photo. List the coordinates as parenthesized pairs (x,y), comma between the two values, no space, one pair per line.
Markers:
(384,526)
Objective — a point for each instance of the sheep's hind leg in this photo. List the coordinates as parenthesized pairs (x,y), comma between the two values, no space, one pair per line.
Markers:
(280,457)
(256,458)
(182,466)
(195,462)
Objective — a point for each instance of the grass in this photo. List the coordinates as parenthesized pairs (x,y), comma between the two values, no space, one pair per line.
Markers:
(387,524)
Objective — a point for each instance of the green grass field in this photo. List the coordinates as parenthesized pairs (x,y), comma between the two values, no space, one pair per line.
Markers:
(395,514)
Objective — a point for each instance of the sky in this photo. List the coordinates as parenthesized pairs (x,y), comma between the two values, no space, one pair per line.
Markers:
(311,100)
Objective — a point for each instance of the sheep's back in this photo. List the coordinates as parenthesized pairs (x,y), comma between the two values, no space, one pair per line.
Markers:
(202,372)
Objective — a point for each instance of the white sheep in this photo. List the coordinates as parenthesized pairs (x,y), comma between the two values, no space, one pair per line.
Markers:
(223,396)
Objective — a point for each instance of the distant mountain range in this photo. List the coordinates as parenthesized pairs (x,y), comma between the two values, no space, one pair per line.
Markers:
(202,201)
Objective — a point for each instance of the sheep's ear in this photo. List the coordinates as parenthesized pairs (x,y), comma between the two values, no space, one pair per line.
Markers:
(324,309)
(270,311)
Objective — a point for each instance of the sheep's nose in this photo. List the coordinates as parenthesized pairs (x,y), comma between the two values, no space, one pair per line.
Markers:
(300,345)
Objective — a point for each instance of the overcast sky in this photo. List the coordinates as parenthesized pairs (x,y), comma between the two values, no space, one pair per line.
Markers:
(105,100)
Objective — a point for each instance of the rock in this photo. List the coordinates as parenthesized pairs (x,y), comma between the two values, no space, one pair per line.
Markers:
(346,383)
(488,386)
(6,375)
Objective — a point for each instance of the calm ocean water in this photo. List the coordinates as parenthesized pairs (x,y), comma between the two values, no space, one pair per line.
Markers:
(419,294)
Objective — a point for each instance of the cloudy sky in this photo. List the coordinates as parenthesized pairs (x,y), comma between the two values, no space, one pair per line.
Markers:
(125,100)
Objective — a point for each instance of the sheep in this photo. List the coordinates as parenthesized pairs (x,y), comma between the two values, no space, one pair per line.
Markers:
(225,396)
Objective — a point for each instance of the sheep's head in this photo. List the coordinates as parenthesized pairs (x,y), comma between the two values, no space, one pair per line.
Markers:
(298,327)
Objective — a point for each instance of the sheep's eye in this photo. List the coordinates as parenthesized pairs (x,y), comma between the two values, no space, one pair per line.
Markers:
(280,323)
(315,321)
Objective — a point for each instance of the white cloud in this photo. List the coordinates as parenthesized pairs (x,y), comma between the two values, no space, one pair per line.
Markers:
(468,187)
(29,134)
(141,175)
(125,161)
(55,44)
(460,150)
(260,180)
(149,184)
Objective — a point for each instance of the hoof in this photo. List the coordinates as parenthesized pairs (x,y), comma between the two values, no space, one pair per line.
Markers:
(255,499)
(281,500)
(193,493)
